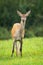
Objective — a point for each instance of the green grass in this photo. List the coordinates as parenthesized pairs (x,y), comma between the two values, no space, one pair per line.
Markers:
(32,52)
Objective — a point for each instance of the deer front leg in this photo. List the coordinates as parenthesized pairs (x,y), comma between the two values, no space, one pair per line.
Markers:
(17,49)
(21,47)
(14,43)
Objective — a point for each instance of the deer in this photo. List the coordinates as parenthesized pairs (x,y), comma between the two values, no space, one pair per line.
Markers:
(18,31)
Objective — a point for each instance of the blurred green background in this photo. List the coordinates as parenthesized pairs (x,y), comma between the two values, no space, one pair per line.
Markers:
(9,16)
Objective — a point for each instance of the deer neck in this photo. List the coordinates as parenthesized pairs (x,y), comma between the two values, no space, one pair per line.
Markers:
(23,24)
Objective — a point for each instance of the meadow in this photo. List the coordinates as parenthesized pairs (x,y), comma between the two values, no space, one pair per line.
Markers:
(32,53)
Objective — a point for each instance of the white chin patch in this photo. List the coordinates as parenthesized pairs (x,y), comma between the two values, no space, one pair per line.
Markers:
(23,18)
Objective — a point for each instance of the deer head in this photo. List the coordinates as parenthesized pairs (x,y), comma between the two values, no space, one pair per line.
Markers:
(23,16)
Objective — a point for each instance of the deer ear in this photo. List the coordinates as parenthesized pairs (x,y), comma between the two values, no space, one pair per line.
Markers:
(19,13)
(28,13)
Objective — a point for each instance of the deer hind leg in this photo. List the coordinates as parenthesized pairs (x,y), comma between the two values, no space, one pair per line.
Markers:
(21,47)
(14,43)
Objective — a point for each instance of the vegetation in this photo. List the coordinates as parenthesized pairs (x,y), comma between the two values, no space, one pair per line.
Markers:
(32,47)
(4,33)
(8,15)
(32,52)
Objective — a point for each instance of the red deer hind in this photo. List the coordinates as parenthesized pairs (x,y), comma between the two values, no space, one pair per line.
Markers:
(18,31)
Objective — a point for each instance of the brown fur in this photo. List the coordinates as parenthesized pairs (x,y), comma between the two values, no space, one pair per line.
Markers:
(15,27)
